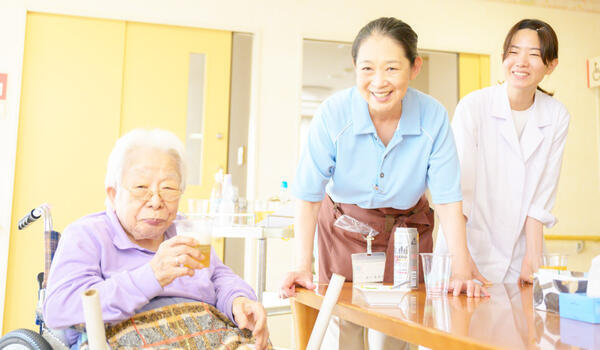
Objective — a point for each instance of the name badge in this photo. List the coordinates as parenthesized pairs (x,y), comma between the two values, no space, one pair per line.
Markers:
(368,267)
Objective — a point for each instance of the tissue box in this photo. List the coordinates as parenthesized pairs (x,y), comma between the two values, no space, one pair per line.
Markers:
(580,334)
(580,307)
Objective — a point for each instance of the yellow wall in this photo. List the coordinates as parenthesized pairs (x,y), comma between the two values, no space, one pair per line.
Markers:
(576,261)
(155,88)
(86,82)
(58,110)
(459,26)
(473,73)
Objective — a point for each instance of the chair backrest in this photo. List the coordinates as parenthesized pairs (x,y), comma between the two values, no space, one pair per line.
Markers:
(51,237)
(50,244)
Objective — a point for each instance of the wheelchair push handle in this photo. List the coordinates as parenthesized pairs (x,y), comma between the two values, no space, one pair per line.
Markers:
(33,215)
(36,213)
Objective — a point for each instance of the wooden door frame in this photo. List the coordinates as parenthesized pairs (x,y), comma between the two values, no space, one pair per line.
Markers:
(15,27)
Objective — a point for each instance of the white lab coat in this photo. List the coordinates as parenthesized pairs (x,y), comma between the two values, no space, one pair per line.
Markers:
(504,180)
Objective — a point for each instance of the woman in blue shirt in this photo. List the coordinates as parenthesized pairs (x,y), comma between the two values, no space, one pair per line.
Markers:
(372,151)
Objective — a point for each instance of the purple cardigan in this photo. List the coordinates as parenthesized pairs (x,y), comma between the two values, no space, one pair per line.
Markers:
(95,252)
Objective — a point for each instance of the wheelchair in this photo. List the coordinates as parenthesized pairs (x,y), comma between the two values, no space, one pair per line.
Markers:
(45,339)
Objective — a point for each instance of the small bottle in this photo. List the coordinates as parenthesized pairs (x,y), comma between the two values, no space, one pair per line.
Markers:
(284,195)
(216,194)
(276,202)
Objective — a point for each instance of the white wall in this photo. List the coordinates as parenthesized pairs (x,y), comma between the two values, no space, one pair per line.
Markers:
(421,82)
(279,27)
(443,79)
(12,33)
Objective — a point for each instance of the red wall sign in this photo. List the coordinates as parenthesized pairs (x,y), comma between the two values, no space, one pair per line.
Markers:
(3,77)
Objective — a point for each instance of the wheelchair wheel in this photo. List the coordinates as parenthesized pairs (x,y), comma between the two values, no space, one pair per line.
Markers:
(21,339)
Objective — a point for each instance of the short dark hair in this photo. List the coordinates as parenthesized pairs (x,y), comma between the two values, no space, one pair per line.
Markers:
(547,36)
(395,29)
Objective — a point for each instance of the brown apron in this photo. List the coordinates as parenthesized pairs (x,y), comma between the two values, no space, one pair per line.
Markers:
(336,245)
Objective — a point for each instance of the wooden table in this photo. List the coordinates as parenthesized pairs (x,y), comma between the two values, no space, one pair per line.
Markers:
(505,320)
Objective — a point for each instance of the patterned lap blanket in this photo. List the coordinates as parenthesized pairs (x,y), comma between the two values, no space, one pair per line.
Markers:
(180,326)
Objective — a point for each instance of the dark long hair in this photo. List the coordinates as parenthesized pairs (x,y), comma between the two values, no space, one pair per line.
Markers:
(546,35)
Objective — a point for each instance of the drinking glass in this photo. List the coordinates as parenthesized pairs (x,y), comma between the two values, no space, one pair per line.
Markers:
(555,261)
(436,270)
(201,230)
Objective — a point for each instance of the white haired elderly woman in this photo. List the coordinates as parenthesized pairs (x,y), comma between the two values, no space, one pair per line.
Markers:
(131,254)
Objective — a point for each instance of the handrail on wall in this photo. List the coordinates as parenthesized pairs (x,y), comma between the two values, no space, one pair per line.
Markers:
(572,237)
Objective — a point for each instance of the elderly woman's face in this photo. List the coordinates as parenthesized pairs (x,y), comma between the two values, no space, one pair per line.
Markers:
(147,218)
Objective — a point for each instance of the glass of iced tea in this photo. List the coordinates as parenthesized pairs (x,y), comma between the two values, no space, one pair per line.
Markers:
(555,261)
(200,229)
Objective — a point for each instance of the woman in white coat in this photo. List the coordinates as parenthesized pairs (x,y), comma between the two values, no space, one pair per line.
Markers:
(510,140)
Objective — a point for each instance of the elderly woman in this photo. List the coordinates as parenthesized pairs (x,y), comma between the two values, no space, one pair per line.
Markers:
(131,254)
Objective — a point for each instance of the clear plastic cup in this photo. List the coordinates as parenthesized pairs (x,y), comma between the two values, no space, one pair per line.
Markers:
(202,206)
(261,210)
(436,270)
(555,261)
(191,206)
(198,206)
(199,229)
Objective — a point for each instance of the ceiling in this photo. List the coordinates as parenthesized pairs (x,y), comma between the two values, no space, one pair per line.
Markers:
(575,5)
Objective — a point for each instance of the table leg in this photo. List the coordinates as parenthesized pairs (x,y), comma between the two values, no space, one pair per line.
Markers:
(304,321)
(262,268)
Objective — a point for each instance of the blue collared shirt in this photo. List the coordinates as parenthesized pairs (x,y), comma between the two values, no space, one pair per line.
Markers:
(344,156)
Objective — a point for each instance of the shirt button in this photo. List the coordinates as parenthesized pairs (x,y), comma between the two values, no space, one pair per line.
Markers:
(381,175)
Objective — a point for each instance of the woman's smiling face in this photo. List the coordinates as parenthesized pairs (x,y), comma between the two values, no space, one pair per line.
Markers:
(523,66)
(382,74)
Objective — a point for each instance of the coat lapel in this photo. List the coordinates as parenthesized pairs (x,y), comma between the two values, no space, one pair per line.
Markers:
(532,135)
(501,111)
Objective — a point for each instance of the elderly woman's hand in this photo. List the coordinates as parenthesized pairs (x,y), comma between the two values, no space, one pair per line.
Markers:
(174,258)
(250,314)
